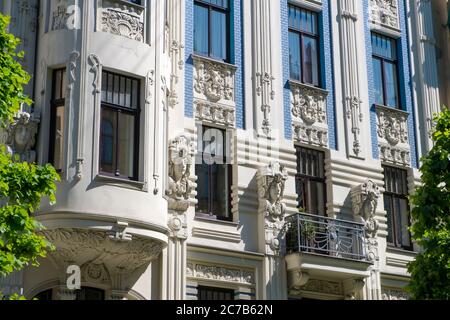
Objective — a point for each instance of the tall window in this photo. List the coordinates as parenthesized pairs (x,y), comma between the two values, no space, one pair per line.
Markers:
(310,181)
(119,128)
(211,28)
(303,46)
(213,170)
(210,293)
(396,206)
(384,60)
(56,151)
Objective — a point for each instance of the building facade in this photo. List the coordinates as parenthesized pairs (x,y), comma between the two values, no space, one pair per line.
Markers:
(228,149)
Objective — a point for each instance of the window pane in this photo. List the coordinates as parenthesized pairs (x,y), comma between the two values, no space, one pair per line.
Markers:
(58,156)
(388,208)
(404,219)
(310,61)
(201,44)
(378,81)
(108,141)
(390,71)
(57,89)
(64,83)
(294,55)
(218,35)
(201,170)
(126,145)
(220,190)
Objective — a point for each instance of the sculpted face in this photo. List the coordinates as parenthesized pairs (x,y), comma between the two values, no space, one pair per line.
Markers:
(180,165)
(21,136)
(276,190)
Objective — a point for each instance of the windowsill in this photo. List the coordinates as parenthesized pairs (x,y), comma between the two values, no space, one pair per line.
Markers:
(120,181)
(392,249)
(213,219)
(312,87)
(394,109)
(212,60)
(131,4)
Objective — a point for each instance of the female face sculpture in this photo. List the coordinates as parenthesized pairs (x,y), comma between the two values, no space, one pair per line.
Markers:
(180,165)
(276,189)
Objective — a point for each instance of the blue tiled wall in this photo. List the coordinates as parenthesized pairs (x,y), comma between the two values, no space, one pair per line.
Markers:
(405,81)
(326,54)
(236,58)
(285,57)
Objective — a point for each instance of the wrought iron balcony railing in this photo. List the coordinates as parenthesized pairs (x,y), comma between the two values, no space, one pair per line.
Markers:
(325,236)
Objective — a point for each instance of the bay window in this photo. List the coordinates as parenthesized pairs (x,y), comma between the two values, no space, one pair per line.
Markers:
(119,128)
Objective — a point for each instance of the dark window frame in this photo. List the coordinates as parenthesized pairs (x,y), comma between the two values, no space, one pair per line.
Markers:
(317,37)
(56,103)
(305,179)
(206,289)
(393,61)
(211,6)
(210,214)
(390,195)
(136,113)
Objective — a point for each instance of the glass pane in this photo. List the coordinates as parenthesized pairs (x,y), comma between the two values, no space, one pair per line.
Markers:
(390,71)
(58,156)
(220,3)
(57,89)
(220,190)
(310,61)
(116,89)
(384,46)
(108,141)
(126,145)
(320,198)
(128,94)
(218,35)
(109,97)
(388,208)
(201,170)
(294,56)
(64,83)
(404,220)
(134,94)
(213,146)
(378,81)
(201,44)
(104,86)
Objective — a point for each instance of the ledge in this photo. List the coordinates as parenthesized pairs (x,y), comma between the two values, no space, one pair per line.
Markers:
(297,83)
(199,57)
(390,109)
(120,182)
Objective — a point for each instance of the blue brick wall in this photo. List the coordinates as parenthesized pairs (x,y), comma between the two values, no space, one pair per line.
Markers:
(189,67)
(236,58)
(327,71)
(327,77)
(405,82)
(285,57)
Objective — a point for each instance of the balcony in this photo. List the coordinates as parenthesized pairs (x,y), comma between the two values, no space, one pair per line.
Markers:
(325,236)
(318,247)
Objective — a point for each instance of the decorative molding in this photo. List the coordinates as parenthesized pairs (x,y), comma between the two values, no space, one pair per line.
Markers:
(216,234)
(322,286)
(355,115)
(60,15)
(271,181)
(364,200)
(215,113)
(123,18)
(20,137)
(79,246)
(392,129)
(214,80)
(96,69)
(309,114)
(385,13)
(265,90)
(394,294)
(211,272)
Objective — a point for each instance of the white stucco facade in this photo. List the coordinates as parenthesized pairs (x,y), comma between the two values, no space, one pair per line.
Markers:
(142,238)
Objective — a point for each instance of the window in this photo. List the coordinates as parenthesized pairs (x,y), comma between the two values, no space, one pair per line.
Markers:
(211,28)
(384,60)
(119,128)
(210,293)
(213,170)
(44,295)
(93,294)
(303,46)
(310,181)
(396,206)
(56,151)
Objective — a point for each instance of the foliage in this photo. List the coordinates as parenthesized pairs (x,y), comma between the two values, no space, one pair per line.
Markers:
(430,271)
(22,185)
(12,76)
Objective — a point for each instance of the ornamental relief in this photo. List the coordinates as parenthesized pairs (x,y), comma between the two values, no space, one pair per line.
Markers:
(384,12)
(123,19)
(215,113)
(392,130)
(214,80)
(394,294)
(203,271)
(60,16)
(321,286)
(308,107)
